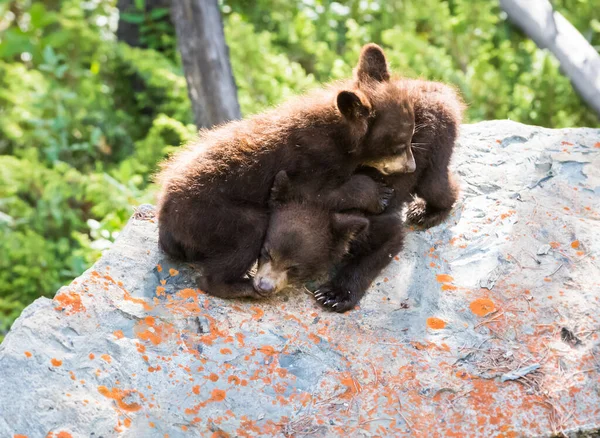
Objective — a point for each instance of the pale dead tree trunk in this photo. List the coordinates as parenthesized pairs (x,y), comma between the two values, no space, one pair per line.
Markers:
(549,29)
(205,57)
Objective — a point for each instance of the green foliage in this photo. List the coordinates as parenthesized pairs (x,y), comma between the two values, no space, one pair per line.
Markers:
(469,43)
(83,122)
(41,209)
(154,26)
(264,76)
(151,81)
(84,119)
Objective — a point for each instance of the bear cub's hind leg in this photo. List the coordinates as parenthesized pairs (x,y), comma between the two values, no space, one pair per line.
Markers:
(435,197)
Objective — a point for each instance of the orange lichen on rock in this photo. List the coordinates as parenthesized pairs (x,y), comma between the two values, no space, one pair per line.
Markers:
(118,334)
(258,313)
(27,354)
(213,377)
(217,395)
(69,303)
(575,244)
(444,278)
(435,323)
(267,350)
(188,293)
(148,330)
(352,386)
(314,338)
(56,362)
(64,434)
(106,357)
(482,306)
(173,272)
(127,297)
(508,214)
(118,395)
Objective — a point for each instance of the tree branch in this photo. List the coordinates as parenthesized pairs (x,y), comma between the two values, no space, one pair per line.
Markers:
(549,29)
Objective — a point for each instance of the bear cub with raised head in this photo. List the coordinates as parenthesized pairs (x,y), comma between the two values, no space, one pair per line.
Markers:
(429,193)
(301,242)
(212,206)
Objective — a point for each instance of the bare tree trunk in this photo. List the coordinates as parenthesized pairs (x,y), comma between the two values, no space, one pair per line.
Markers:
(549,29)
(205,57)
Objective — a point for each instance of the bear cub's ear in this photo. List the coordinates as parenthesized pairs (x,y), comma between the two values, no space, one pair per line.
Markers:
(348,226)
(281,189)
(372,64)
(353,105)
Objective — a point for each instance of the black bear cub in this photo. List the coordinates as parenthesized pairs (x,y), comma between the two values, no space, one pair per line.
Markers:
(301,243)
(304,238)
(214,193)
(429,193)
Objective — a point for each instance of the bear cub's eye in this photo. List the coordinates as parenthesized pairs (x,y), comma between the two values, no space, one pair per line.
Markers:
(399,149)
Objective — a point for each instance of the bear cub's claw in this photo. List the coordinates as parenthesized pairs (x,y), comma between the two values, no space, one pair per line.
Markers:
(416,213)
(384,197)
(334,299)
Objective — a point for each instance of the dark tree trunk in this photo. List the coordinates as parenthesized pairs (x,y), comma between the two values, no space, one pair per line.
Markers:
(205,57)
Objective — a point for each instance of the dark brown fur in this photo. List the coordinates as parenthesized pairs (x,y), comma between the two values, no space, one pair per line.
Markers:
(213,199)
(303,240)
(430,193)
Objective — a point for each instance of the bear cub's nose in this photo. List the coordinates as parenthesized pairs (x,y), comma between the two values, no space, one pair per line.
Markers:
(264,285)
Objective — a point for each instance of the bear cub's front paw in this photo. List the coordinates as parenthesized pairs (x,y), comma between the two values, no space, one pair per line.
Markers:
(334,298)
(385,197)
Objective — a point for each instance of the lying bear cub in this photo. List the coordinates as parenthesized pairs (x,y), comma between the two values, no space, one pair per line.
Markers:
(213,199)
(304,238)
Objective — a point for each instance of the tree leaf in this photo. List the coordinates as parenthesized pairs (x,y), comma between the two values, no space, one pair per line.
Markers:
(49,56)
(158,13)
(132,18)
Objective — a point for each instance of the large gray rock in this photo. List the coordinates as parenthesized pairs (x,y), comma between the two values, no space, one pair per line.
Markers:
(484,326)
